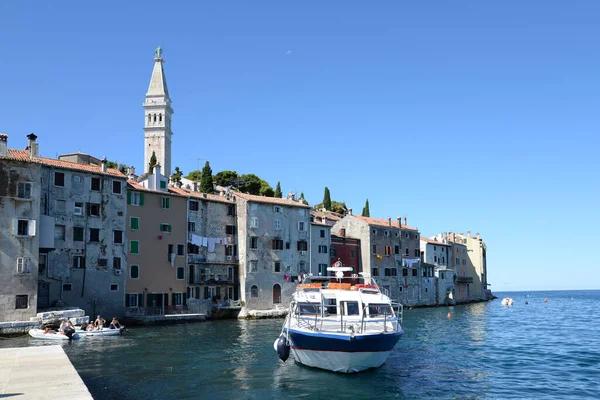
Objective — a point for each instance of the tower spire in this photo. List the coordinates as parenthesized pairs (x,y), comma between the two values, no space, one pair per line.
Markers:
(158,112)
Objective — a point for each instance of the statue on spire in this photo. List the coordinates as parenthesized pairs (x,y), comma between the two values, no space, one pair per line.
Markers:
(158,52)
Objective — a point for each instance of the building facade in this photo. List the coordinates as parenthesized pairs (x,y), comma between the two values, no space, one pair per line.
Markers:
(320,248)
(347,251)
(273,242)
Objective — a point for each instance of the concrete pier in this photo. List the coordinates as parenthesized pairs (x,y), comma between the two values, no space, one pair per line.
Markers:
(41,372)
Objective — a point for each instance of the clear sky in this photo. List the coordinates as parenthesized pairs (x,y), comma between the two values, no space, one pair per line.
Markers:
(460,115)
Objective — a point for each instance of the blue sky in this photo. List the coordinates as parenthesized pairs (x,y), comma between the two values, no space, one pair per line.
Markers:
(460,115)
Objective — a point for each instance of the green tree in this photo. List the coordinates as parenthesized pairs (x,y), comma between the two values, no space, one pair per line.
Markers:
(278,190)
(226,178)
(194,176)
(206,181)
(266,190)
(152,163)
(366,212)
(338,207)
(327,199)
(302,196)
(112,164)
(176,177)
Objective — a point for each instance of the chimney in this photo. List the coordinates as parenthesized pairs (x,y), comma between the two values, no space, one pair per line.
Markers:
(104,161)
(477,234)
(156,177)
(291,196)
(389,221)
(195,186)
(343,232)
(131,172)
(399,219)
(469,233)
(350,211)
(33,146)
(404,220)
(3,144)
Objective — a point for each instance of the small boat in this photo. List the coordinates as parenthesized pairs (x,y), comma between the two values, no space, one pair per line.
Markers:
(338,324)
(507,301)
(102,332)
(51,335)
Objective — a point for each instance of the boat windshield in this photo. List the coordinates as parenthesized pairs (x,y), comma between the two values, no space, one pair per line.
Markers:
(380,310)
(309,308)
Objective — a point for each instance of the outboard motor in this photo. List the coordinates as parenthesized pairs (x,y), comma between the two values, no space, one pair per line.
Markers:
(283,350)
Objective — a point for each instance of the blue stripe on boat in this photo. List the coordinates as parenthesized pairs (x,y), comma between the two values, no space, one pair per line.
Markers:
(327,342)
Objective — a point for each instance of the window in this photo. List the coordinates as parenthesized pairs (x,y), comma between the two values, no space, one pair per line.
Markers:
(180,249)
(193,205)
(42,264)
(135,198)
(117,262)
(78,262)
(67,287)
(59,179)
(180,273)
(404,271)
(406,235)
(230,230)
(23,265)
(102,262)
(414,272)
(253,266)
(254,291)
(323,249)
(114,287)
(254,222)
(231,209)
(323,269)
(375,271)
(301,226)
(374,249)
(191,226)
(374,231)
(59,232)
(134,246)
(24,190)
(96,184)
(230,250)
(443,260)
(93,210)
(424,272)
(165,228)
(134,271)
(78,210)
(388,250)
(94,235)
(287,245)
(277,266)
(163,184)
(332,252)
(277,224)
(434,259)
(303,245)
(166,202)
(170,252)
(417,252)
(387,272)
(134,300)
(60,206)
(322,233)
(277,209)
(25,227)
(407,250)
(352,253)
(464,261)
(396,249)
(21,302)
(457,261)
(254,242)
(78,234)
(134,223)
(400,289)
(386,233)
(117,187)
(177,299)
(277,244)
(117,237)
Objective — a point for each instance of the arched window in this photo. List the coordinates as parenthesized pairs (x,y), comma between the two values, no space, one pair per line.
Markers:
(159,117)
(254,291)
(149,118)
(276,294)
(154,117)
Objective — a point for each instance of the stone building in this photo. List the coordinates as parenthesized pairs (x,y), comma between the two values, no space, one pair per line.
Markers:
(320,248)
(20,189)
(273,243)
(476,264)
(346,250)
(435,256)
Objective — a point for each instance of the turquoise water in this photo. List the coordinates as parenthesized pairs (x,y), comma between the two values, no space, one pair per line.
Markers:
(482,351)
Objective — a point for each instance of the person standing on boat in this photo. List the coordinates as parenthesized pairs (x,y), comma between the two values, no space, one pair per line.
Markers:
(99,322)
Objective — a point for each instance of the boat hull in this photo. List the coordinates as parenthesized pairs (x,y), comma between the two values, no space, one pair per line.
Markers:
(103,332)
(39,334)
(342,353)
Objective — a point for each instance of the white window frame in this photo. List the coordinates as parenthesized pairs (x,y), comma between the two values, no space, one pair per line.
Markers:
(23,265)
(277,224)
(166,201)
(136,198)
(254,222)
(138,269)
(78,210)
(177,273)
(31,227)
(27,186)
(253,266)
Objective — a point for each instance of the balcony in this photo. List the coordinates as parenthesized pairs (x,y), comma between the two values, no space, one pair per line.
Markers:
(212,279)
(464,279)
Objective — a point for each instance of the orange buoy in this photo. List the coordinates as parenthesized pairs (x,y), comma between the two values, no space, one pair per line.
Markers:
(449,315)
(545,300)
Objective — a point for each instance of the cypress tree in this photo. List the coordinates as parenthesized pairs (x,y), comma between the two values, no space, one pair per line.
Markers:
(302,196)
(366,212)
(206,181)
(278,190)
(152,163)
(327,199)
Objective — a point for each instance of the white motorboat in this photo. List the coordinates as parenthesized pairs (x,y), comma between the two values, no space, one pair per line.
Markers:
(51,335)
(507,301)
(102,332)
(339,324)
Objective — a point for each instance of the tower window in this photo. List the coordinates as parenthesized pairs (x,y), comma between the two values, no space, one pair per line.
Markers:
(159,117)
(149,118)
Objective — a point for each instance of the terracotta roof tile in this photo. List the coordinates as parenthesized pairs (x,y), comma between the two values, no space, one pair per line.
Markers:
(433,241)
(23,155)
(270,200)
(327,215)
(201,196)
(383,222)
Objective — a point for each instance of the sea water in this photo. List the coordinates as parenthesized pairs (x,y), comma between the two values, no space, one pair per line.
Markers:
(539,350)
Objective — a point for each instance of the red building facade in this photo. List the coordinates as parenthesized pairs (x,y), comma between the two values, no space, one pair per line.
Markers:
(346,250)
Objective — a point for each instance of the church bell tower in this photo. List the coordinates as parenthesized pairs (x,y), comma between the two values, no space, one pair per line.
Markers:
(158,113)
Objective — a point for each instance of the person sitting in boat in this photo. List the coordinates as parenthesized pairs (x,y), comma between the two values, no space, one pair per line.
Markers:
(99,322)
(90,327)
(114,324)
(63,326)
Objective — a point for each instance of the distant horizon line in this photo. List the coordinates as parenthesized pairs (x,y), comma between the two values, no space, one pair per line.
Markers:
(548,290)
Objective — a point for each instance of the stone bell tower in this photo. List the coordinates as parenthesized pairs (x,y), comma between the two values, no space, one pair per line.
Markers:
(158,113)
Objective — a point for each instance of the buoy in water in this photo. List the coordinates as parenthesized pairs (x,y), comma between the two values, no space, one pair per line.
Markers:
(526,302)
(283,350)
(449,315)
(545,300)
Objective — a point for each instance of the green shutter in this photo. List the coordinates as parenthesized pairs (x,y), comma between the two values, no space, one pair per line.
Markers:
(135,247)
(128,197)
(169,228)
(141,199)
(168,202)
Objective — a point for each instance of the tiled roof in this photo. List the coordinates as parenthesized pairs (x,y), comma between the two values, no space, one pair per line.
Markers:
(23,155)
(137,186)
(270,200)
(200,196)
(327,215)
(383,222)
(320,224)
(433,241)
